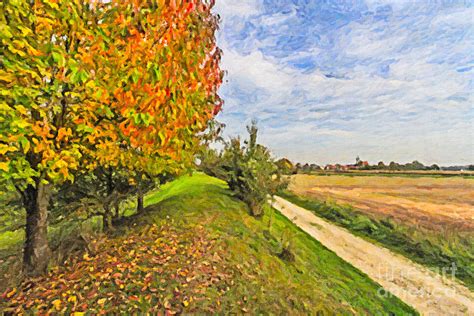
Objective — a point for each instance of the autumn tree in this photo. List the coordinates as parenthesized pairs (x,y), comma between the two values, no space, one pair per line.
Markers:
(42,91)
(87,85)
(160,74)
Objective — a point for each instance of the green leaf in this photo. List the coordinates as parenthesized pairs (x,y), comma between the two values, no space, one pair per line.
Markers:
(25,144)
(135,75)
(74,77)
(84,128)
(59,59)
(108,112)
(5,32)
(157,73)
(83,76)
(162,137)
(136,118)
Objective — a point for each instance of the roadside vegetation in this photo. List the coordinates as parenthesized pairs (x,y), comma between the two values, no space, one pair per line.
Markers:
(434,249)
(196,249)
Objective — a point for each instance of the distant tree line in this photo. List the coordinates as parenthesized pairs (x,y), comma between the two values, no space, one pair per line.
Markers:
(414,165)
(288,168)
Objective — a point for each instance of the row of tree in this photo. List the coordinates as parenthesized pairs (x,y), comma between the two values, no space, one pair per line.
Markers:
(288,168)
(97,100)
(415,165)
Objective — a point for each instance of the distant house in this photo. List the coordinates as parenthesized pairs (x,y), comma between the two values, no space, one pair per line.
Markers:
(330,167)
(338,167)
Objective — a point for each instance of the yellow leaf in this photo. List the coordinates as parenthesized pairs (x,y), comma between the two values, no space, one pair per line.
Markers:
(7,77)
(72,299)
(4,166)
(57,304)
(78,314)
(101,301)
(5,148)
(4,107)
(185,303)
(22,110)
(11,293)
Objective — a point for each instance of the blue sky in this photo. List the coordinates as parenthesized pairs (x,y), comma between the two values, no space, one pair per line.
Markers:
(330,80)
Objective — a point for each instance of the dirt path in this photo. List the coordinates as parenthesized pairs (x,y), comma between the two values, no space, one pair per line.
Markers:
(426,291)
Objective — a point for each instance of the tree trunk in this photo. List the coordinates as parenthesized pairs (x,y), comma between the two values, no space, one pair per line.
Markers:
(140,201)
(36,253)
(107,221)
(116,210)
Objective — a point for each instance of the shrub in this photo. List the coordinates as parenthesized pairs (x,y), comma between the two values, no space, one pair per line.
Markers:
(250,171)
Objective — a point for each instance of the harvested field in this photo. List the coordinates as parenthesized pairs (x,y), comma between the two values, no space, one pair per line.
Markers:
(435,203)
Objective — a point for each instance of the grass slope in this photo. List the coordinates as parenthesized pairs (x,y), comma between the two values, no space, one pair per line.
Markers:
(196,250)
(434,249)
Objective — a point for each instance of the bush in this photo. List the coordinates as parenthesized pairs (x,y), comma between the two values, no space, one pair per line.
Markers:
(248,169)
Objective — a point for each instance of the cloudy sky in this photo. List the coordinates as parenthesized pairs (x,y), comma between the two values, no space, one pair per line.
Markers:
(330,80)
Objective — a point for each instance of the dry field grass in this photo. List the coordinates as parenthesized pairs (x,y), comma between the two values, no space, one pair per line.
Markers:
(435,203)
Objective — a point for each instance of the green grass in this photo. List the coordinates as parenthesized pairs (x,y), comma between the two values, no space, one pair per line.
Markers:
(317,280)
(245,252)
(436,250)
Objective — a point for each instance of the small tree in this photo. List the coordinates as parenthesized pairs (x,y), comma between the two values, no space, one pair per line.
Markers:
(435,167)
(250,171)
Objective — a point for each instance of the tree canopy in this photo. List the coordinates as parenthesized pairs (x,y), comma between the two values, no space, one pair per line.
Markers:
(124,84)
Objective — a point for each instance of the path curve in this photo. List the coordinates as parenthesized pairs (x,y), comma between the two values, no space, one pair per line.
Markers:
(419,287)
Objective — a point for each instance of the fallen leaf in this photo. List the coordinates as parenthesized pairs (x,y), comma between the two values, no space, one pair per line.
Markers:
(57,304)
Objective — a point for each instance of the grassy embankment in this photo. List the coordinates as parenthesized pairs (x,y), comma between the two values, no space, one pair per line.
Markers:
(436,250)
(196,249)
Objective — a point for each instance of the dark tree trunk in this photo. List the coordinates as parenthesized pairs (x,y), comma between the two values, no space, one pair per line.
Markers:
(140,201)
(107,221)
(116,210)
(108,202)
(36,252)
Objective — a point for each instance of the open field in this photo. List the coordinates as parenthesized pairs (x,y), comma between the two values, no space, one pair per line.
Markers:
(429,202)
(429,220)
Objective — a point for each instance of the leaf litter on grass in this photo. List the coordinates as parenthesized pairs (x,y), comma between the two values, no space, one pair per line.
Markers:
(159,270)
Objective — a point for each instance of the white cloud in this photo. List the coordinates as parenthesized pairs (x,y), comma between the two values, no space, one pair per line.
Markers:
(240,8)
(418,109)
